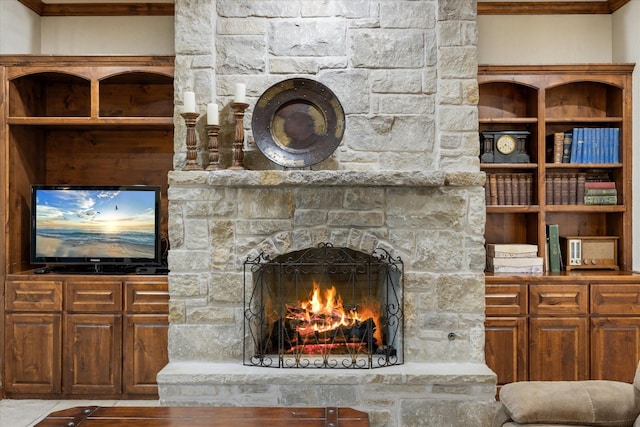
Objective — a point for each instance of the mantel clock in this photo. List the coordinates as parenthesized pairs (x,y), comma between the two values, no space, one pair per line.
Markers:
(504,147)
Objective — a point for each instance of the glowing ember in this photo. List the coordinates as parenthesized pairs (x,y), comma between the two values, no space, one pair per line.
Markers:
(322,321)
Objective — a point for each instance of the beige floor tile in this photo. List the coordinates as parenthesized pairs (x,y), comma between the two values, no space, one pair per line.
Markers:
(28,412)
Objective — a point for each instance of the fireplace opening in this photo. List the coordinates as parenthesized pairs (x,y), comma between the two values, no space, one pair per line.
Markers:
(324,307)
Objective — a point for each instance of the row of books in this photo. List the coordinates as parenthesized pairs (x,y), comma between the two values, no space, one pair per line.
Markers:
(579,189)
(509,189)
(513,258)
(586,145)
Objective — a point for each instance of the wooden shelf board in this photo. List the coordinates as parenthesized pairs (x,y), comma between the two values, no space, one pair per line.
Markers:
(508,120)
(583,165)
(508,166)
(513,209)
(586,208)
(613,119)
(91,121)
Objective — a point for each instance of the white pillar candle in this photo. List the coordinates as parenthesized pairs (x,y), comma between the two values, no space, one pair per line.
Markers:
(240,94)
(212,114)
(189,102)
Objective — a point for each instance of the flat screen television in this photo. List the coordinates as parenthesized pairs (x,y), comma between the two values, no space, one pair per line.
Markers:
(96,227)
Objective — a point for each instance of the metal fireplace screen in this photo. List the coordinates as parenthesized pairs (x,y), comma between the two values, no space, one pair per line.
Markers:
(323,307)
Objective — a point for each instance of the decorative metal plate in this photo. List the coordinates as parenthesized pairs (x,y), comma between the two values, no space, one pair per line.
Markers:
(298,123)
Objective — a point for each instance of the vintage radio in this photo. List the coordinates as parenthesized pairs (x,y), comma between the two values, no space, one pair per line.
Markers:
(590,252)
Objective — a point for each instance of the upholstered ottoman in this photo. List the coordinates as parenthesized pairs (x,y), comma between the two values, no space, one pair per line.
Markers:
(569,403)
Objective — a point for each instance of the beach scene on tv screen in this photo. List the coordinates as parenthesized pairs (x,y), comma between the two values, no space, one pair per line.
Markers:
(95,224)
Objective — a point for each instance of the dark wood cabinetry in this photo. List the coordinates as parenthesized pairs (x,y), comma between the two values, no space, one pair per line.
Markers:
(571,327)
(582,324)
(145,335)
(104,120)
(81,336)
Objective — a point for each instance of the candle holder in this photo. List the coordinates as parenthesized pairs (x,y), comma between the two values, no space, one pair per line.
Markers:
(192,142)
(214,155)
(238,142)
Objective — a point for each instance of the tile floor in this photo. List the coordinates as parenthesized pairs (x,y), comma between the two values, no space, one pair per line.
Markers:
(28,412)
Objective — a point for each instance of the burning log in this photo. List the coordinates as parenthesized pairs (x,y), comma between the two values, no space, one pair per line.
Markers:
(340,340)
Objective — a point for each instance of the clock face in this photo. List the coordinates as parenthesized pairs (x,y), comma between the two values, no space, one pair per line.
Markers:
(506,144)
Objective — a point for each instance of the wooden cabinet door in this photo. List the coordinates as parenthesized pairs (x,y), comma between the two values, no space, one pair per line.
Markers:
(558,349)
(615,348)
(93,354)
(145,352)
(33,353)
(505,348)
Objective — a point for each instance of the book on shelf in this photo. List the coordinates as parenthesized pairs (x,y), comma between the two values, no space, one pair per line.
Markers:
(511,250)
(548,188)
(515,265)
(564,189)
(600,192)
(557,189)
(558,146)
(599,184)
(553,248)
(581,181)
(573,189)
(508,192)
(566,147)
(576,146)
(493,188)
(601,200)
(501,198)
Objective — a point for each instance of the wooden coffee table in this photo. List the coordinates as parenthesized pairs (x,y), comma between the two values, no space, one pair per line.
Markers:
(204,416)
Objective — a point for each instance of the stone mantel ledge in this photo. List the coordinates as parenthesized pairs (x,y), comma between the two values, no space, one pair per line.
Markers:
(333,178)
(442,374)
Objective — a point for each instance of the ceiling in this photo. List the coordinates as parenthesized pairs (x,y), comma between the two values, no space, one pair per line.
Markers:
(166,7)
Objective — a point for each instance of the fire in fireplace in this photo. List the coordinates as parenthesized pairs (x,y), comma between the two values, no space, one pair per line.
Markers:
(324,307)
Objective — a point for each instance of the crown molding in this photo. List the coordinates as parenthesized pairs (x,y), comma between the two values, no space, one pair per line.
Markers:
(100,9)
(167,9)
(550,7)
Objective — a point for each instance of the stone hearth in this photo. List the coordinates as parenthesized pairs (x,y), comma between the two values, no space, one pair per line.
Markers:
(405,178)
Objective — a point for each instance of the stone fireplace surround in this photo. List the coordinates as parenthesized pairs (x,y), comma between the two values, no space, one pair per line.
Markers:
(423,217)
(405,178)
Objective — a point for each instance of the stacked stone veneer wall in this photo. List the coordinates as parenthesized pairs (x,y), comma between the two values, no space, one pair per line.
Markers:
(406,178)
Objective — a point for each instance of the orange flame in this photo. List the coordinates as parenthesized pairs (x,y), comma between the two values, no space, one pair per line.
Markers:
(324,313)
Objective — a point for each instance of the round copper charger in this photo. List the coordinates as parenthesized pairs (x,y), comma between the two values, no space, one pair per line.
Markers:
(298,123)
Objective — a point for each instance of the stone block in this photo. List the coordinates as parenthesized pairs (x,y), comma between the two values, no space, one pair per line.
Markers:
(242,55)
(307,37)
(407,14)
(389,48)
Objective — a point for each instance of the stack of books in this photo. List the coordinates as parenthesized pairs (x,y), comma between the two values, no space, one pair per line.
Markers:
(514,258)
(600,193)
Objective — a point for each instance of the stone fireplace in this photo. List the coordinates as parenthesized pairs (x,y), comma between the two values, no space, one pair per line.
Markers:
(405,179)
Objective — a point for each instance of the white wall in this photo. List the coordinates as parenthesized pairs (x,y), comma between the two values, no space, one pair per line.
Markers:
(24,32)
(19,29)
(121,35)
(626,34)
(544,39)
